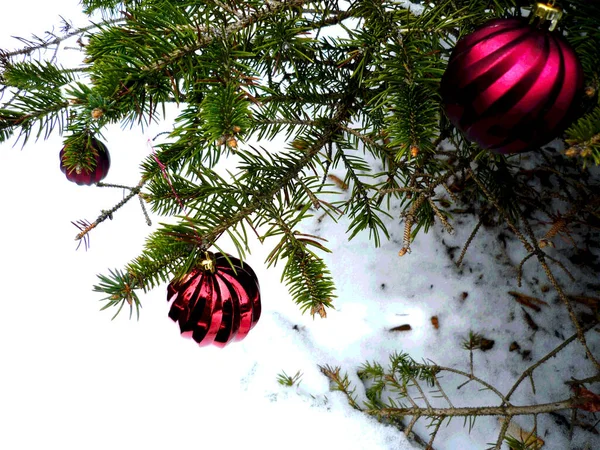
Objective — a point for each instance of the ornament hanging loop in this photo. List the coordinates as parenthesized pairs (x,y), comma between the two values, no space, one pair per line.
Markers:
(546,12)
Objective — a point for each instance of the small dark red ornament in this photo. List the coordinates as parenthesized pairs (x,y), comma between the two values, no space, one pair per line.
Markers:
(216,302)
(101,164)
(512,86)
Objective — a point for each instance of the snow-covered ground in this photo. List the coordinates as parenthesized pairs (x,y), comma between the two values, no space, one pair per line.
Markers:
(72,379)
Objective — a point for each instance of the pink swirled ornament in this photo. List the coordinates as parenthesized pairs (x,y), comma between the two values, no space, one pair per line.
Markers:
(511,86)
(216,302)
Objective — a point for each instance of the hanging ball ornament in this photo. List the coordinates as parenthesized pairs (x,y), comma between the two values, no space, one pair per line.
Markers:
(512,85)
(100,163)
(217,302)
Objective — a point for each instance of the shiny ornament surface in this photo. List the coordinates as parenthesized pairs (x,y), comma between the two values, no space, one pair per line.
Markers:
(511,86)
(215,304)
(101,165)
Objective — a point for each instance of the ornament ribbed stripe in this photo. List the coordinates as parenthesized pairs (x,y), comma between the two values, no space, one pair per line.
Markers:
(249,304)
(230,297)
(476,86)
(201,307)
(541,125)
(527,126)
(214,306)
(245,307)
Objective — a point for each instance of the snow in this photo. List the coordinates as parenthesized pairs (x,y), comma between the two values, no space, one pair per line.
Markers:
(71,378)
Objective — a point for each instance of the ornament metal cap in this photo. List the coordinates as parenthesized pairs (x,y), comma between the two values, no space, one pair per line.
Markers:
(208,263)
(544,12)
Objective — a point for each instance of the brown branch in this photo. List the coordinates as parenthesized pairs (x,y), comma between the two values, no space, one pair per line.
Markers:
(541,256)
(107,214)
(507,411)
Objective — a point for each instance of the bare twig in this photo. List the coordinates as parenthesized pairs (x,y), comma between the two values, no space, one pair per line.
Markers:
(538,363)
(57,39)
(107,214)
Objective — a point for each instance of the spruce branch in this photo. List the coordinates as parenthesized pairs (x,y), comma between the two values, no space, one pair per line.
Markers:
(403,370)
(149,269)
(362,208)
(120,288)
(529,371)
(308,279)
(411,216)
(260,70)
(206,35)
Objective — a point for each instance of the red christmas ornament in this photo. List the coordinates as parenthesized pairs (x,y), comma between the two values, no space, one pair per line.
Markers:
(101,165)
(216,303)
(512,86)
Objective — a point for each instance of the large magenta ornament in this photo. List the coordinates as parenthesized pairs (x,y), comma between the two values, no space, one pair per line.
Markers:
(100,164)
(512,86)
(216,302)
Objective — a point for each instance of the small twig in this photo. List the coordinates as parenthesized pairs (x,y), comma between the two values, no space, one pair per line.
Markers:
(402,189)
(468,243)
(507,219)
(146,216)
(423,396)
(83,226)
(502,433)
(452,195)
(439,386)
(57,39)
(562,266)
(434,433)
(520,269)
(472,378)
(449,228)
(592,379)
(538,363)
(363,137)
(230,10)
(412,423)
(107,214)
